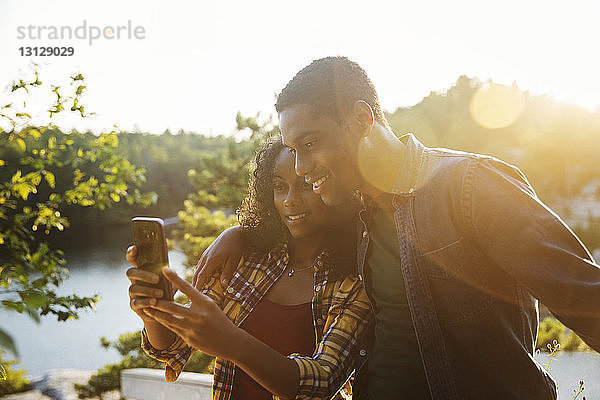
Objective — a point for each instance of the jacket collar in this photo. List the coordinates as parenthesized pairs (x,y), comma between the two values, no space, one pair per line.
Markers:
(407,179)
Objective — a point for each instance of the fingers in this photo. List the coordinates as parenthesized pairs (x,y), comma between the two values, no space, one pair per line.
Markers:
(134,274)
(131,254)
(137,275)
(199,267)
(139,303)
(137,290)
(171,322)
(229,269)
(173,308)
(205,270)
(202,274)
(211,261)
(191,292)
(142,297)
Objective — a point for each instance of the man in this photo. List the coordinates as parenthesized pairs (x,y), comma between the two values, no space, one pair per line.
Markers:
(454,249)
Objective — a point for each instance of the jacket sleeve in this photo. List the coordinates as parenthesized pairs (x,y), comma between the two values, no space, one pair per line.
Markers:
(323,374)
(533,245)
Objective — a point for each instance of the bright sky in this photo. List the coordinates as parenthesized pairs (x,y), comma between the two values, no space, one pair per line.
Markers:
(201,62)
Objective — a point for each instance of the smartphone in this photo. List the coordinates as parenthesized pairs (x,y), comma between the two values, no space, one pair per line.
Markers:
(152,255)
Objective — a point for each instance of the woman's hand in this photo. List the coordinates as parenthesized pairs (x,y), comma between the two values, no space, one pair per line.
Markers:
(141,293)
(223,254)
(203,325)
(142,296)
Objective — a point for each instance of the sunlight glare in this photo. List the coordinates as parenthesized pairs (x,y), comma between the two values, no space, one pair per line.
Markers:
(496,106)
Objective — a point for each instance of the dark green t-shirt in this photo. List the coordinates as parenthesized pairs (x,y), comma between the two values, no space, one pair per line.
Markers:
(395,368)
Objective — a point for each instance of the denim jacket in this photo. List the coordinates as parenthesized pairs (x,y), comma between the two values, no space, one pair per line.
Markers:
(478,249)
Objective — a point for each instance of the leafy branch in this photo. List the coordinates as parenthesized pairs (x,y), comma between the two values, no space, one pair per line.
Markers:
(43,173)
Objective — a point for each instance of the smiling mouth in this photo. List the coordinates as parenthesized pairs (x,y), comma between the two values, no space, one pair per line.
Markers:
(297,217)
(316,185)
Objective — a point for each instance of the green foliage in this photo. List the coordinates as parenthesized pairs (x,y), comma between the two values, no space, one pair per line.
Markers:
(11,381)
(199,228)
(43,173)
(8,343)
(108,378)
(219,189)
(535,140)
(551,331)
(166,159)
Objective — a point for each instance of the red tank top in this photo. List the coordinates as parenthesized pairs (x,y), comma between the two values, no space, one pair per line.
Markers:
(287,329)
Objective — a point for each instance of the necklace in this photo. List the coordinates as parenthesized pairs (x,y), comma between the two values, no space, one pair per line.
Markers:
(293,271)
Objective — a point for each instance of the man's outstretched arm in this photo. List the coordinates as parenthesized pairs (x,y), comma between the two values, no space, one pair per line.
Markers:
(223,254)
(534,246)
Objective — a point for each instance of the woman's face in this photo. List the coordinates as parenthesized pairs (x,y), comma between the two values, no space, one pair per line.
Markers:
(300,209)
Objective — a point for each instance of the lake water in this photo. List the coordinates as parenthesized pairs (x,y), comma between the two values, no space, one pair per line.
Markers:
(76,344)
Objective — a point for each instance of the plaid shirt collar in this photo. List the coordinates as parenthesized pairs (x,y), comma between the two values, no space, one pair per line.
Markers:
(280,256)
(252,282)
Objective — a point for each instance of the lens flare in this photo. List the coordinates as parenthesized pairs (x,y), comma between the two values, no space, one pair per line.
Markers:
(496,106)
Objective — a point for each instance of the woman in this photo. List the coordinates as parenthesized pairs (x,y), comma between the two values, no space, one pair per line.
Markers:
(294,293)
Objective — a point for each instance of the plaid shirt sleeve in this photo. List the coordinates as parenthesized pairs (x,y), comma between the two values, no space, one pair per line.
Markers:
(323,374)
(178,353)
(175,356)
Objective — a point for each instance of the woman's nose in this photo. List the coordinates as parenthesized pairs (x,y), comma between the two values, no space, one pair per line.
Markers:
(291,200)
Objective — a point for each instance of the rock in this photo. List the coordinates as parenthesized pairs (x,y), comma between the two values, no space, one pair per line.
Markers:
(57,384)
(30,395)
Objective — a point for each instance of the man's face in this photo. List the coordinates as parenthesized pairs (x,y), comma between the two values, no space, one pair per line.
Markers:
(324,151)
(301,210)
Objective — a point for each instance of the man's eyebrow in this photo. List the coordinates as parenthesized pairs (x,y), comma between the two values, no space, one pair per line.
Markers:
(303,135)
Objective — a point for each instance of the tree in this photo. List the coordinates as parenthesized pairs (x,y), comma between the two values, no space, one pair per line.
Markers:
(219,189)
(42,173)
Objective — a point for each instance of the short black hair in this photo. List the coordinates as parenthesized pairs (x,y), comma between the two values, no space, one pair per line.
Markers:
(331,85)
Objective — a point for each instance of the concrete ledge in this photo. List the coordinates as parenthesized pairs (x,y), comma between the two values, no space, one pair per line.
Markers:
(149,384)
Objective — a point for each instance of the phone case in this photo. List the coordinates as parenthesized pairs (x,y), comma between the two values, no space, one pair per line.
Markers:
(152,254)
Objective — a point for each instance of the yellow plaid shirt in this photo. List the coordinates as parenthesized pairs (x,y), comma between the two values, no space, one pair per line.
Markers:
(341,311)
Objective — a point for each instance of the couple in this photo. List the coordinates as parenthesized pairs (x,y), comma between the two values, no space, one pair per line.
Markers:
(453,252)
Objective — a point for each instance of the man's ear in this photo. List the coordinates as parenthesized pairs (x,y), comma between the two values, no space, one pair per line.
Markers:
(363,116)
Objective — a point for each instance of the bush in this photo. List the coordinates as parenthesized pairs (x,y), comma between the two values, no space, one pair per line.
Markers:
(551,329)
(128,345)
(11,381)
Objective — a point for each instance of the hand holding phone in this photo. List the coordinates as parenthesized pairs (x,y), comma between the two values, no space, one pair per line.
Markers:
(152,255)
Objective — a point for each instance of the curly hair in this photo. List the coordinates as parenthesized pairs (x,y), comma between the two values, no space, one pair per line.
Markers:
(263,228)
(257,214)
(331,85)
